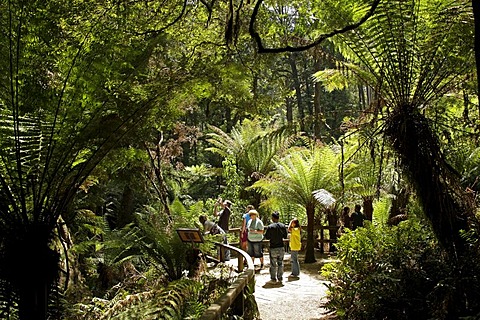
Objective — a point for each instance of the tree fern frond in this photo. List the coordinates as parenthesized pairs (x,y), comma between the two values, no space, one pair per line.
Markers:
(299,174)
(324,197)
(407,51)
(166,303)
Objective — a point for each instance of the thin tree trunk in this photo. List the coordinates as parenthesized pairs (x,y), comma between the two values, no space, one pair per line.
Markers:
(288,104)
(309,94)
(298,92)
(310,250)
(32,271)
(361,97)
(228,119)
(317,104)
(332,218)
(476,17)
(368,207)
(33,301)
(125,212)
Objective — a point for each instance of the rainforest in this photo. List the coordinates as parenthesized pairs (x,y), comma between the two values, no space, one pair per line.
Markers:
(123,121)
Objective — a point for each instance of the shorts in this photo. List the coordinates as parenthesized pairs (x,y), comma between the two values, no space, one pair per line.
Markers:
(255,249)
(244,236)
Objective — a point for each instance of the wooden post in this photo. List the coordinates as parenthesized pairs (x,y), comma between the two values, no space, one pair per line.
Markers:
(240,263)
(321,240)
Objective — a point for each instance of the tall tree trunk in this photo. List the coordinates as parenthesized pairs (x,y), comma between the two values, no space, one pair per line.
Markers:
(228,119)
(255,91)
(298,92)
(317,106)
(444,201)
(361,97)
(310,250)
(476,17)
(309,94)
(33,301)
(399,202)
(288,104)
(32,269)
(126,210)
(332,218)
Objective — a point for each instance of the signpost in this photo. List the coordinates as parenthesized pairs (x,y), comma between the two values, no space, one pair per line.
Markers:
(190,235)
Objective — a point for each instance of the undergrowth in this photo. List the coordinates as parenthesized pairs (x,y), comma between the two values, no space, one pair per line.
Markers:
(400,273)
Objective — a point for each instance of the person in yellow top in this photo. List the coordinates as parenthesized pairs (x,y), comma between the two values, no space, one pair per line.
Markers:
(294,229)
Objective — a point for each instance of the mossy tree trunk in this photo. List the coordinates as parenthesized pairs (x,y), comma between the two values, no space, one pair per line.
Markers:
(444,201)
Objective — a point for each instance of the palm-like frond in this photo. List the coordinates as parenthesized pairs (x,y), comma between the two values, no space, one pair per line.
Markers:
(405,51)
(296,176)
(253,146)
(161,247)
(413,54)
(264,148)
(299,174)
(324,197)
(171,302)
(223,144)
(368,169)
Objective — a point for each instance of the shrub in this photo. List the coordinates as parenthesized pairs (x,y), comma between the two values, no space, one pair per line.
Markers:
(398,273)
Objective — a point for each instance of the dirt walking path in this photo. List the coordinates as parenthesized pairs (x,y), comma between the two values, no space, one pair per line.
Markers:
(299,299)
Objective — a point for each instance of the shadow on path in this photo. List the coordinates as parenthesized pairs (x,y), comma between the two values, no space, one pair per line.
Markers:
(294,298)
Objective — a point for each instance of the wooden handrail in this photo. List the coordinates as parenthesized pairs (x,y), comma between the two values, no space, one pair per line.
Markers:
(236,289)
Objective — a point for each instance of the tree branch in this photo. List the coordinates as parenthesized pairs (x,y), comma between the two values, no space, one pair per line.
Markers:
(261,49)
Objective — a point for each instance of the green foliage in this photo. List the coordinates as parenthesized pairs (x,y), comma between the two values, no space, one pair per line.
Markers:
(135,262)
(196,182)
(251,308)
(171,302)
(252,146)
(234,179)
(332,79)
(381,211)
(162,246)
(299,173)
(368,168)
(397,273)
(296,176)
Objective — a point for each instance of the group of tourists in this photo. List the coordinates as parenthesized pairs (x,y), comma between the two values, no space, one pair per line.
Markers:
(353,221)
(253,232)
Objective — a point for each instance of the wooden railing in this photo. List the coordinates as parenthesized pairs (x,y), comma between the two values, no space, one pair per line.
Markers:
(322,238)
(319,242)
(233,297)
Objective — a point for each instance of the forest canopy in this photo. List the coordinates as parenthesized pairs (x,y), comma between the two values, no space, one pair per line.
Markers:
(122,121)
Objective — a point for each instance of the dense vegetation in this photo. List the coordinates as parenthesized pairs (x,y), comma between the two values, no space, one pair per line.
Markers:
(122,121)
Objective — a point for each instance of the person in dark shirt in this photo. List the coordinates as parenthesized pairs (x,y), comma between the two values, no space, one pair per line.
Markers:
(223,219)
(357,217)
(224,214)
(276,232)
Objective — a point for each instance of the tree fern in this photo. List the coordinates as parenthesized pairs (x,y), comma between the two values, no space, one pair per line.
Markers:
(295,178)
(410,53)
(68,95)
(253,146)
(170,302)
